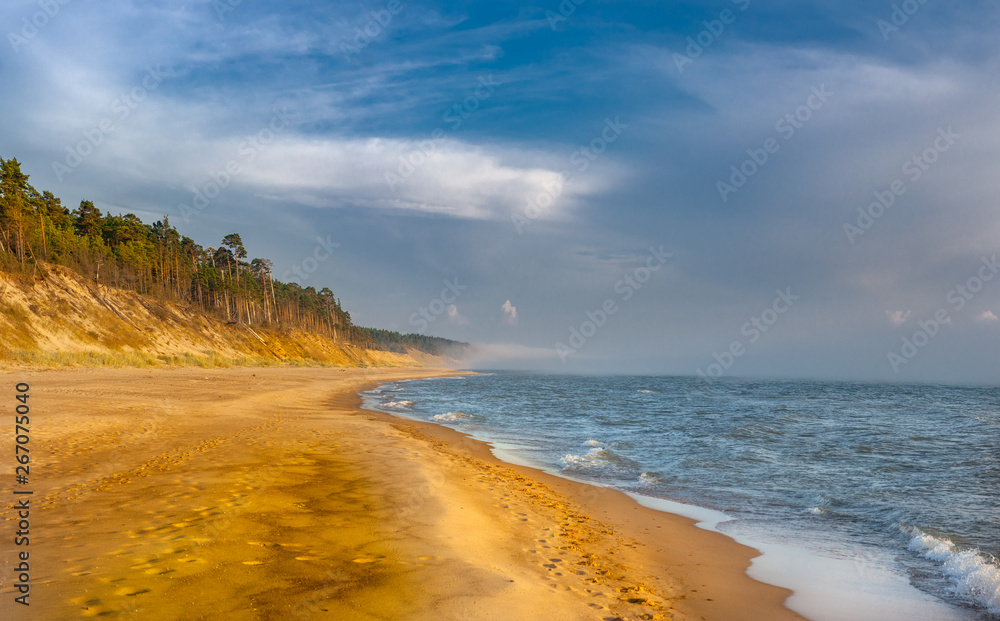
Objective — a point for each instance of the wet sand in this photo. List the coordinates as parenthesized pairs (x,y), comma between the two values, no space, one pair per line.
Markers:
(267,494)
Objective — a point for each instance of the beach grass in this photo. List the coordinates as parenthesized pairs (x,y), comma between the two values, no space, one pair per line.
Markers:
(139,359)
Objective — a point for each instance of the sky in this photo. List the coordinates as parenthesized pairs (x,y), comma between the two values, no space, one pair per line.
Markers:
(728,188)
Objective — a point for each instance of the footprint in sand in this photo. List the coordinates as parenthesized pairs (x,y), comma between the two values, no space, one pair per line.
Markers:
(96,611)
(86,601)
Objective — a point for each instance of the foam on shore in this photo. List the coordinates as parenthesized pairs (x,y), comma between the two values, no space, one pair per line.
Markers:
(861,588)
(864,585)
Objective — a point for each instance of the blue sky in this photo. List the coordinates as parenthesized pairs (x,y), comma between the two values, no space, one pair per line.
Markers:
(538,152)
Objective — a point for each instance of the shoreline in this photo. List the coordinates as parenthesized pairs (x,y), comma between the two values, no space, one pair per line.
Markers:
(825,582)
(726,590)
(267,492)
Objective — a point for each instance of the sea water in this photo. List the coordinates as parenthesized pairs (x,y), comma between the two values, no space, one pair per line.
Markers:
(870,501)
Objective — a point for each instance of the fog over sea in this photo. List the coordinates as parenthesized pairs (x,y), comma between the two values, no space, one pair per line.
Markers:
(869,500)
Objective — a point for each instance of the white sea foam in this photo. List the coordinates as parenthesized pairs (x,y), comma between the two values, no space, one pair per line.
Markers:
(594,457)
(649,478)
(974,575)
(397,404)
(650,392)
(450,417)
(822,505)
(597,456)
(592,443)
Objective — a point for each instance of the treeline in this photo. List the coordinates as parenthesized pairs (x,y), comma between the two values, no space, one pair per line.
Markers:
(394,341)
(156,260)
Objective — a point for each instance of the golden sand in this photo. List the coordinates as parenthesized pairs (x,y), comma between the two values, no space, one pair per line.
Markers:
(267,494)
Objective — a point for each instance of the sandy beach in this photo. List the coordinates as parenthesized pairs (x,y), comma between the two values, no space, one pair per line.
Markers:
(190,493)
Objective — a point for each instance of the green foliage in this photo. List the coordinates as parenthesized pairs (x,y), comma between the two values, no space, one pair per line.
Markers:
(394,341)
(155,259)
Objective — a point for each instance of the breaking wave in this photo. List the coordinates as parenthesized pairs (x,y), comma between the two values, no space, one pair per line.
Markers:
(450,417)
(397,405)
(974,575)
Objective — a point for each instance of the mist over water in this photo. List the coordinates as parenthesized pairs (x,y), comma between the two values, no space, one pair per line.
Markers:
(897,478)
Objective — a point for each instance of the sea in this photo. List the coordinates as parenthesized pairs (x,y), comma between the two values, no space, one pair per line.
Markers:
(869,500)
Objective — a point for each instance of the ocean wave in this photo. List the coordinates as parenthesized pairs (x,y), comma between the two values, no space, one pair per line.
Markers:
(597,456)
(974,575)
(450,417)
(397,404)
(822,506)
(650,392)
(649,478)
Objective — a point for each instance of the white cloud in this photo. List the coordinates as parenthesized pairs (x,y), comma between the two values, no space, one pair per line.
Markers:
(456,317)
(987,317)
(452,178)
(456,179)
(898,318)
(509,313)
